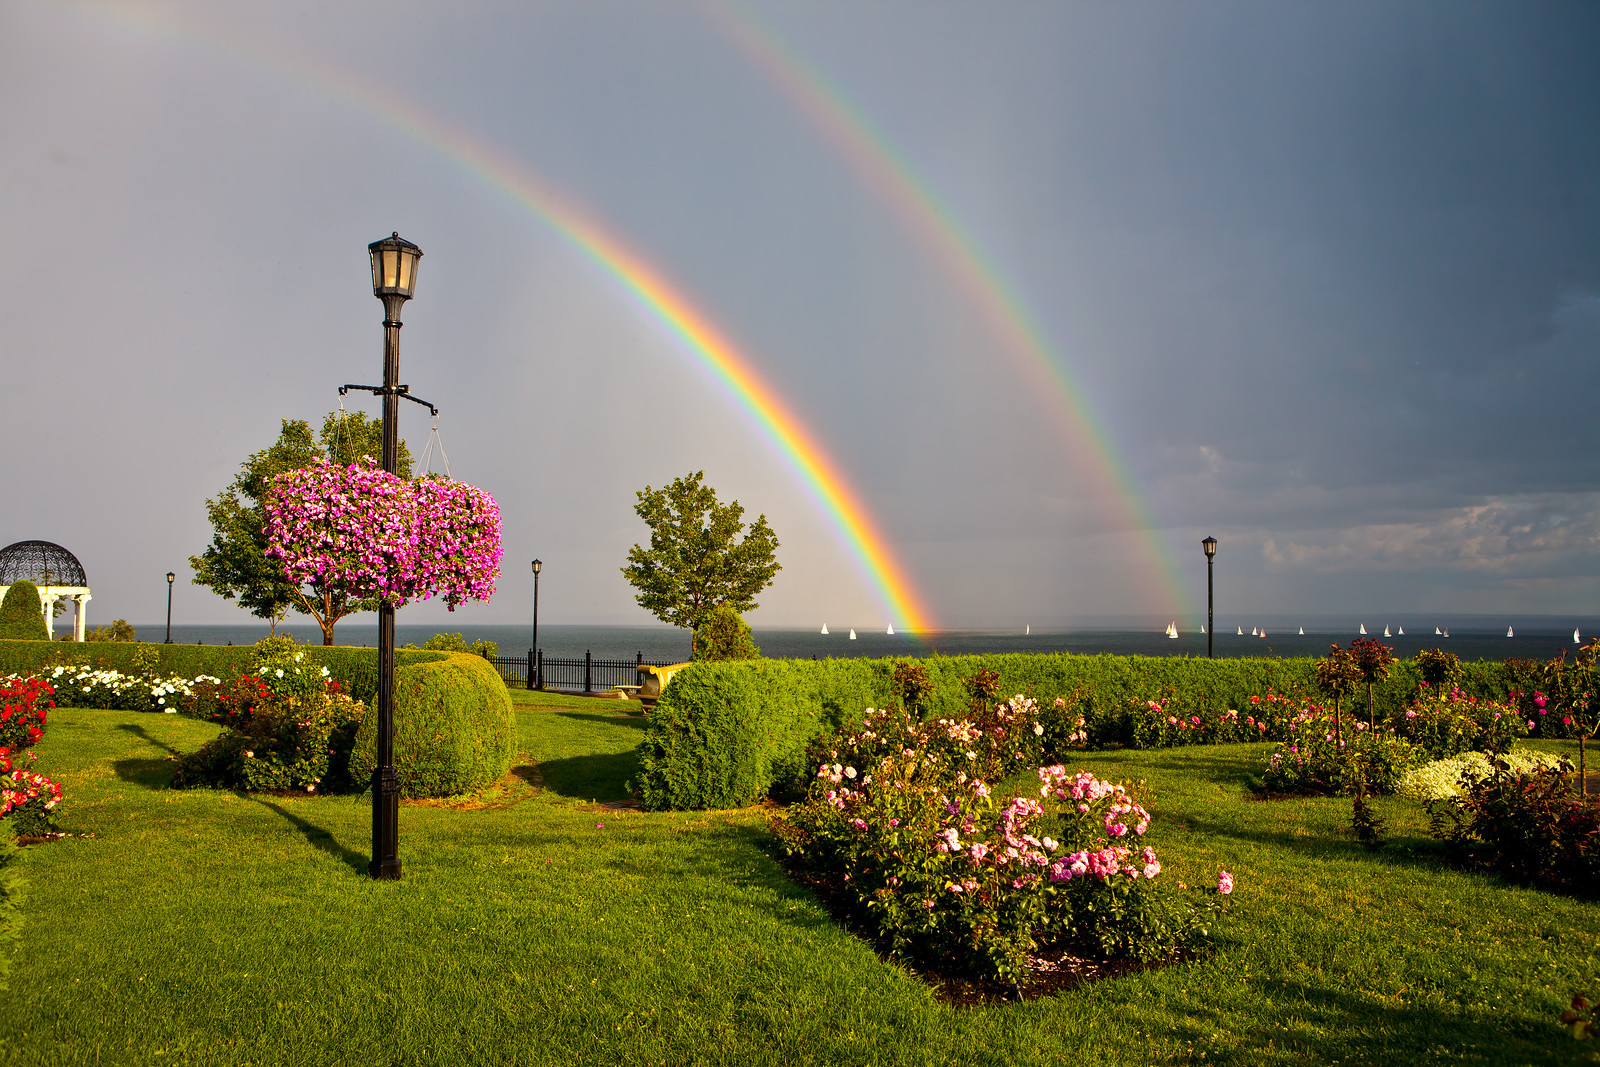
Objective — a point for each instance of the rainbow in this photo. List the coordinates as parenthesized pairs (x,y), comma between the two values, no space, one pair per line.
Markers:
(809,463)
(973,272)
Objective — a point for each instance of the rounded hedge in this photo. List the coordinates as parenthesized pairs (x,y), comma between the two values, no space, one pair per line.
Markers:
(22,613)
(454,729)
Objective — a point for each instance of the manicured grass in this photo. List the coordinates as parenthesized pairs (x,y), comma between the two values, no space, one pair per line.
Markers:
(214,928)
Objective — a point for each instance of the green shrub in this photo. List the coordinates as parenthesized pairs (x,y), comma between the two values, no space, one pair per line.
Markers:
(22,613)
(456,643)
(723,636)
(1531,826)
(454,730)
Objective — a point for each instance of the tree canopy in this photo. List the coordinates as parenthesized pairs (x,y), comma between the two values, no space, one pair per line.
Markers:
(697,560)
(235,565)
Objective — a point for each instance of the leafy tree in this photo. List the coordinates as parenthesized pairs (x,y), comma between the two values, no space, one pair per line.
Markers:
(22,613)
(724,636)
(118,630)
(1571,688)
(235,565)
(1373,661)
(1338,674)
(697,560)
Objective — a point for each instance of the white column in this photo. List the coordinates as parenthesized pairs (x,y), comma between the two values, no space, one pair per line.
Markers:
(48,602)
(80,615)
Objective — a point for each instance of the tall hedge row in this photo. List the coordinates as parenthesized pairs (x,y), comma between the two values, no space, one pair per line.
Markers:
(724,734)
(355,668)
(454,728)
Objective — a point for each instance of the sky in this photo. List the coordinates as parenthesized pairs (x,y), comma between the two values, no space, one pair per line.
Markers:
(1025,299)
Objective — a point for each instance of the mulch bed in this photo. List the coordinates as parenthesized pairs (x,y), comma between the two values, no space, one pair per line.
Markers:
(1054,970)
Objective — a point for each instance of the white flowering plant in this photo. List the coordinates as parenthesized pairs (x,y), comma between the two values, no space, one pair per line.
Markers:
(83,686)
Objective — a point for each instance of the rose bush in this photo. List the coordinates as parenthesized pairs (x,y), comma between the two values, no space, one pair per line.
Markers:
(903,817)
(27,798)
(289,727)
(1315,758)
(25,704)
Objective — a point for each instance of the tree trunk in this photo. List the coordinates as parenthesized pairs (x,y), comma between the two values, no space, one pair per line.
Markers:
(1372,721)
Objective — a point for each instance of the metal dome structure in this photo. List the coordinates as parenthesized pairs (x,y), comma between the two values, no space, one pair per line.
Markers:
(56,572)
(40,562)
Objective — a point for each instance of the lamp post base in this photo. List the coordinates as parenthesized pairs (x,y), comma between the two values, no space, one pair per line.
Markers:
(385,863)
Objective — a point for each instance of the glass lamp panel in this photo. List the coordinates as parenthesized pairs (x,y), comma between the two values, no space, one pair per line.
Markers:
(408,272)
(377,270)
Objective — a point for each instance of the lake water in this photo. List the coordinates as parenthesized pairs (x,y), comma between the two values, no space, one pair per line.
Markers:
(1536,638)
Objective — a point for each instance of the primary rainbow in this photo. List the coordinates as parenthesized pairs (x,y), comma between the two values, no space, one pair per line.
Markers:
(726,365)
(973,272)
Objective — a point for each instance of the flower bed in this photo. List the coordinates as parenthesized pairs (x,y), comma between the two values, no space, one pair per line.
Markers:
(24,706)
(904,821)
(1450,777)
(82,686)
(1324,754)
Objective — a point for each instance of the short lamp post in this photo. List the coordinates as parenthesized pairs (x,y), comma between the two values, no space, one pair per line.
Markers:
(394,277)
(1210,545)
(170,579)
(534,679)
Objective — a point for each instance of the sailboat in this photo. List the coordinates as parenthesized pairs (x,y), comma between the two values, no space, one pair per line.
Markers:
(1447,631)
(824,627)
(1172,628)
(1253,632)
(1575,636)
(1026,630)
(1386,632)
(1401,632)
(891,629)
(1202,627)
(1436,631)
(1241,631)
(1302,631)
(1263,632)
(1509,633)
(852,635)
(1363,629)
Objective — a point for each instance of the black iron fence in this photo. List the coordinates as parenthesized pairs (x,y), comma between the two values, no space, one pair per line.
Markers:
(586,675)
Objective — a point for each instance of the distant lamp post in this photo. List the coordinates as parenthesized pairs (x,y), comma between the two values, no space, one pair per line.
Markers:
(170,579)
(535,681)
(1210,545)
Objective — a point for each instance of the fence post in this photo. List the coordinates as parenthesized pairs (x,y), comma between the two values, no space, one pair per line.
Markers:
(531,669)
(541,670)
(588,687)
(638,660)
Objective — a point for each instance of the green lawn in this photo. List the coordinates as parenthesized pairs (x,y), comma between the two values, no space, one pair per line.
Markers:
(213,928)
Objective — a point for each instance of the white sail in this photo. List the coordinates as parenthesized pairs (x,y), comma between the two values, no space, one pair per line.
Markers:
(1386,632)
(1253,632)
(824,627)
(1302,631)
(1028,629)
(852,635)
(1363,628)
(1509,633)
(1202,627)
(1575,637)
(891,628)
(1263,631)
(1436,631)
(1447,631)
(1172,629)
(1400,632)
(1241,631)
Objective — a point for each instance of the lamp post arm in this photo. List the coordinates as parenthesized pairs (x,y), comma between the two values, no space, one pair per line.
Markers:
(402,391)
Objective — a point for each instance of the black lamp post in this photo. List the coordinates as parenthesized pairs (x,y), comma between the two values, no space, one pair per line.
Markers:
(394,277)
(170,578)
(534,681)
(1210,545)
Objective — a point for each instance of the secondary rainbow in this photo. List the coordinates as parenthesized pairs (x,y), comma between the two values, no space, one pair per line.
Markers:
(713,352)
(973,272)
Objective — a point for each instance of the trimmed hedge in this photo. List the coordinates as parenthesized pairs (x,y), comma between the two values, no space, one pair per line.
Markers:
(22,613)
(356,669)
(725,734)
(454,728)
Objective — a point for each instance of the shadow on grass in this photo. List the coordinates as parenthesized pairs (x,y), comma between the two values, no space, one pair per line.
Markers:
(144,735)
(151,773)
(593,777)
(320,838)
(621,718)
(1341,1027)
(1400,851)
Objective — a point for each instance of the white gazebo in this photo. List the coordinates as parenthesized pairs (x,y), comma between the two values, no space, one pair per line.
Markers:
(56,572)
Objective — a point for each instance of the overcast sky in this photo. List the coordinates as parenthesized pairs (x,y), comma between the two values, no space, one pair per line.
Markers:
(1326,280)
